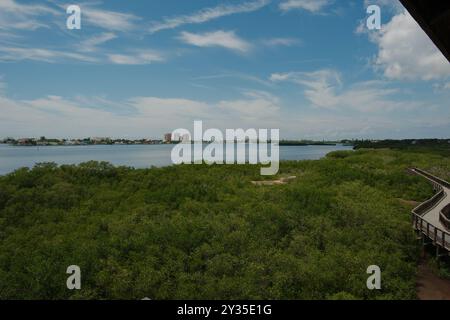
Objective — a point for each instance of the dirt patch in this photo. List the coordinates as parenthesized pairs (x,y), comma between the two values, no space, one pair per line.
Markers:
(274,182)
(430,286)
(408,202)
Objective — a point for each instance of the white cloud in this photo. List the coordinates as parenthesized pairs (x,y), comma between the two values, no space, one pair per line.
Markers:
(2,85)
(90,44)
(8,35)
(140,57)
(15,15)
(441,86)
(110,20)
(208,14)
(11,6)
(164,108)
(360,126)
(287,42)
(320,86)
(237,75)
(309,5)
(406,53)
(136,57)
(393,6)
(255,107)
(324,89)
(38,54)
(56,116)
(225,39)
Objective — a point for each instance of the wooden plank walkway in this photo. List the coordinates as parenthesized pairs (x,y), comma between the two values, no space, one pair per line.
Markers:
(429,218)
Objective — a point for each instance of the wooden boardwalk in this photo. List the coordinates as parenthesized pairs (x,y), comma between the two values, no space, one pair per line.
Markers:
(430,218)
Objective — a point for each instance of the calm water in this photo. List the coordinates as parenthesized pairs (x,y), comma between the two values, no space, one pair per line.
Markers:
(138,156)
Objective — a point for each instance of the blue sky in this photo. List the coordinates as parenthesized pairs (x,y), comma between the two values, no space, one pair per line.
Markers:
(141,68)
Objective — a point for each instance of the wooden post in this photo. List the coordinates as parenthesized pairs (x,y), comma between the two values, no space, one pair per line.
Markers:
(435,235)
(428,230)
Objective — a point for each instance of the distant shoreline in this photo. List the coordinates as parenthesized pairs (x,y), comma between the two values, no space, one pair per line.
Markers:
(137,156)
(281,143)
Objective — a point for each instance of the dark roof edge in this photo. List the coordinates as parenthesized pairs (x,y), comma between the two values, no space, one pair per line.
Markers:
(414,10)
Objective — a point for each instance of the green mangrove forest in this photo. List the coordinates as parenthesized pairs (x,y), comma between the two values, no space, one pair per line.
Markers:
(208,232)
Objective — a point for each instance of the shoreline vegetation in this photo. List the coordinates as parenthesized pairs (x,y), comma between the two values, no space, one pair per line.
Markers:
(208,232)
(32,142)
(406,144)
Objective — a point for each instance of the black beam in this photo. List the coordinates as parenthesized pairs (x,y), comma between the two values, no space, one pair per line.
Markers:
(433,18)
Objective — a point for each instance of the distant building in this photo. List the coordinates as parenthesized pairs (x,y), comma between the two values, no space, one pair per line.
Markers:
(13,141)
(26,142)
(168,138)
(100,140)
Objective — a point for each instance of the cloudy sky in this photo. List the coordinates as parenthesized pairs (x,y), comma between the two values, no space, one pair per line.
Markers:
(142,68)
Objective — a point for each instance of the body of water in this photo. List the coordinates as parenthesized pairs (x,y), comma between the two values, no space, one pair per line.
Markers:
(138,156)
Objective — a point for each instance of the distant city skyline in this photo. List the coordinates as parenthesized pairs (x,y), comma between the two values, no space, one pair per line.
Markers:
(142,69)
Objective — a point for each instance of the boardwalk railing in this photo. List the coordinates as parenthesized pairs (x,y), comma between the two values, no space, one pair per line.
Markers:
(432,177)
(439,236)
(428,205)
(444,216)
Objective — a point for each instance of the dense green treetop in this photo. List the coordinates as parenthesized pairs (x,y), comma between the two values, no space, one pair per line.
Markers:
(198,231)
